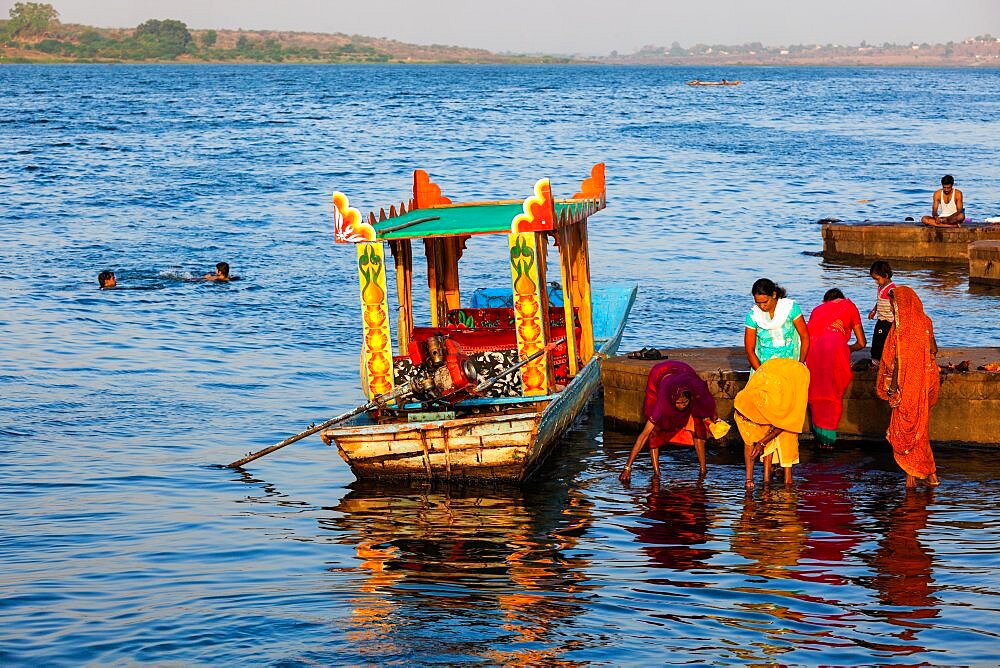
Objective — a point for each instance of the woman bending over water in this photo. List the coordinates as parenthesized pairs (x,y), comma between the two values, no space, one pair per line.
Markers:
(678,408)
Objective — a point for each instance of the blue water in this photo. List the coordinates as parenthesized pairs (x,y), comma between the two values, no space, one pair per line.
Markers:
(121,539)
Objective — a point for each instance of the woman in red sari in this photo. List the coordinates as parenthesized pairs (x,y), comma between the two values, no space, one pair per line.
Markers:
(830,327)
(678,409)
(909,380)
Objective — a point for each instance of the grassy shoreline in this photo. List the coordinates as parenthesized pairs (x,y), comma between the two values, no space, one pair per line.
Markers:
(47,41)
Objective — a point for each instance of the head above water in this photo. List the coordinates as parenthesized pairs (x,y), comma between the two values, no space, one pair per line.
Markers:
(880,268)
(222,269)
(833,293)
(106,279)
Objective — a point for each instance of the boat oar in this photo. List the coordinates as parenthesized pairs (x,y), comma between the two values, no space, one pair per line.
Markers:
(380,400)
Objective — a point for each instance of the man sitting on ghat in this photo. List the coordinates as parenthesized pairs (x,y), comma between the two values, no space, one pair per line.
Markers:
(948,209)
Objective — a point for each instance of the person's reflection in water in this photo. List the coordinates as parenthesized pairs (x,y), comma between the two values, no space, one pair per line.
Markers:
(827,511)
(903,567)
(678,520)
(770,533)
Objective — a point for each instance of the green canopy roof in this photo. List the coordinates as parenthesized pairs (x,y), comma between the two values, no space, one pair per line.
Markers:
(461,219)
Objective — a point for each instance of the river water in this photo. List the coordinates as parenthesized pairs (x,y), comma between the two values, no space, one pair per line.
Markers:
(123,541)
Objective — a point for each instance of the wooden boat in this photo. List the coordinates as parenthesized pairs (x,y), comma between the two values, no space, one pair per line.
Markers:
(456,429)
(724,82)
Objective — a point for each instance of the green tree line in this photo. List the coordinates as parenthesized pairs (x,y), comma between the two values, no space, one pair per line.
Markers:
(35,26)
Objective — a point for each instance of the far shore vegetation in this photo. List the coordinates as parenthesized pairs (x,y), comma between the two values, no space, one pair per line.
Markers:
(34,34)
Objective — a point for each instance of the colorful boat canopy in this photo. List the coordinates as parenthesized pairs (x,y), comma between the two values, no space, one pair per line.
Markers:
(429,214)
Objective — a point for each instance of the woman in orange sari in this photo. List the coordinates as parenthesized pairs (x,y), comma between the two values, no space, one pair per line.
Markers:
(908,379)
(830,327)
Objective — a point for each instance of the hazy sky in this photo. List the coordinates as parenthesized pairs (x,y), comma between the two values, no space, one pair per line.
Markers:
(568,26)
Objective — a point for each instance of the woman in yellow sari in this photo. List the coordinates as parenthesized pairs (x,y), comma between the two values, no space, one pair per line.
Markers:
(770,414)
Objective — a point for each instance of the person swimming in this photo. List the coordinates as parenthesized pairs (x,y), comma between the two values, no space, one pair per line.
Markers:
(106,279)
(221,274)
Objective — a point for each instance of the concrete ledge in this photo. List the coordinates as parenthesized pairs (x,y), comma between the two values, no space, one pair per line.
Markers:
(968,410)
(903,241)
(984,262)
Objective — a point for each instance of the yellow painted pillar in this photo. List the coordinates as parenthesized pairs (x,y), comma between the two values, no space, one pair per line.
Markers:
(566,271)
(402,253)
(443,254)
(527,267)
(581,289)
(376,353)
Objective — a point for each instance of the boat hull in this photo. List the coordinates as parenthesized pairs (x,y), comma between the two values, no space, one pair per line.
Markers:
(507,446)
(489,447)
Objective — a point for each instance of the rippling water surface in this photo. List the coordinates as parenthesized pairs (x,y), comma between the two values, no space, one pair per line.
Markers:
(123,541)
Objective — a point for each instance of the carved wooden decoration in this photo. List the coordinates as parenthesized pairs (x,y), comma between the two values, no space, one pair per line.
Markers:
(539,213)
(348,224)
(425,192)
(593,187)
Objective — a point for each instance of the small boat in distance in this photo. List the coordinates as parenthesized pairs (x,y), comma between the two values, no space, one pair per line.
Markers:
(724,82)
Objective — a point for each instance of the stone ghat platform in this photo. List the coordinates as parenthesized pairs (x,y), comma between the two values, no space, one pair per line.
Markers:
(870,241)
(984,262)
(967,412)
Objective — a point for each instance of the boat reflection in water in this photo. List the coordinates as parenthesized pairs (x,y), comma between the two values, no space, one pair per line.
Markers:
(464,570)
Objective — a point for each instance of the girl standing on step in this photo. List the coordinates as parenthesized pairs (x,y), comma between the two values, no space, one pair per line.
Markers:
(775,326)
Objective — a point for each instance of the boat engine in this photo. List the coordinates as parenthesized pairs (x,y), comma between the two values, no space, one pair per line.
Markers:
(444,372)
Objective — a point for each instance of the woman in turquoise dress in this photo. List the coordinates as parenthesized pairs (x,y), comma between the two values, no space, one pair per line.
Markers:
(775,326)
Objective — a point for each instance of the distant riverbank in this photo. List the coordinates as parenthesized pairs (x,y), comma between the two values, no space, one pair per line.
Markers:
(157,41)
(27,57)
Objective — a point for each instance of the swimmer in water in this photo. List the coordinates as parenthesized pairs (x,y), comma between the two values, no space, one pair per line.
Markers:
(221,274)
(106,279)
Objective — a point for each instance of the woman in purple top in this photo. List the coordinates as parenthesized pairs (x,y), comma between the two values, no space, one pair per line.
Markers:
(677,406)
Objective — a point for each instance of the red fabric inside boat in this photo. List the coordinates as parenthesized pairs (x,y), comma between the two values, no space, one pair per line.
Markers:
(499,318)
(494,339)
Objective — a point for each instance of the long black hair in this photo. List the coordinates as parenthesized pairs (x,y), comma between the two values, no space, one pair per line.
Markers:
(765,286)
